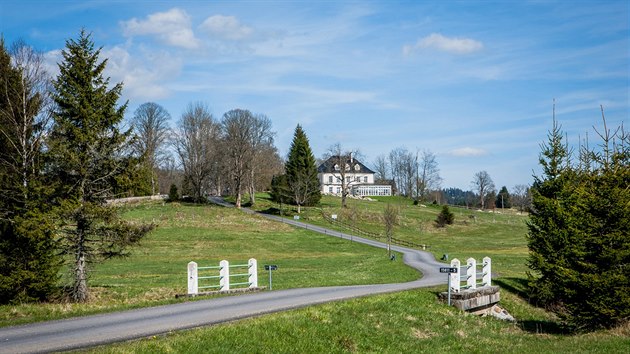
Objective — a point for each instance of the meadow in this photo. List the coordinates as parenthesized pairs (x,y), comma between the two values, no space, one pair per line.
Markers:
(410,321)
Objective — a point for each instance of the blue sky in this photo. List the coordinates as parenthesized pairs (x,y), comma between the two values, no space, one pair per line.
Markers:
(472,81)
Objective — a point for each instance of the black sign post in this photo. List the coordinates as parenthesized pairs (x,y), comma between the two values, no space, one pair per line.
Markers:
(449,270)
(270,267)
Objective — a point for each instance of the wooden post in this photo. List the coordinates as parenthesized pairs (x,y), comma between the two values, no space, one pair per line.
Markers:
(193,285)
(455,277)
(252,269)
(487,271)
(471,273)
(225,275)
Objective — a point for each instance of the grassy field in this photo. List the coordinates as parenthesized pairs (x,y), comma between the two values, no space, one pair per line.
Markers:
(156,270)
(499,235)
(411,321)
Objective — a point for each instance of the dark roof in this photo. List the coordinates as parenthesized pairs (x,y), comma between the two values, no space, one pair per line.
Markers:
(328,166)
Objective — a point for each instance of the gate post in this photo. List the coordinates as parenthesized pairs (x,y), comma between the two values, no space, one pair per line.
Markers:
(455,277)
(224,281)
(252,269)
(487,270)
(471,273)
(193,285)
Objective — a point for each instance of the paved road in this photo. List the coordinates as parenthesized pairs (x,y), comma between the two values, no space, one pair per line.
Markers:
(119,326)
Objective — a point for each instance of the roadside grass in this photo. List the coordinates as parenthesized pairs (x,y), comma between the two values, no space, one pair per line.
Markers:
(155,271)
(406,322)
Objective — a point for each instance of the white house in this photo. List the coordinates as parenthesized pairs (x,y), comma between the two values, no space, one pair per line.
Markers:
(359,178)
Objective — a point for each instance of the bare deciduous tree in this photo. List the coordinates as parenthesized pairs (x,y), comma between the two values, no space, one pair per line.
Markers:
(196,141)
(25,119)
(150,126)
(484,186)
(403,166)
(390,217)
(380,167)
(521,198)
(428,174)
(261,140)
(237,129)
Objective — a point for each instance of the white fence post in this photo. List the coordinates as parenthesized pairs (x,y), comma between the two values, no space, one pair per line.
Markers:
(487,270)
(455,277)
(193,285)
(471,273)
(252,269)
(224,282)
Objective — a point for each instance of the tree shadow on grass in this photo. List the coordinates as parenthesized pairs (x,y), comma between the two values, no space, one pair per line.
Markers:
(519,287)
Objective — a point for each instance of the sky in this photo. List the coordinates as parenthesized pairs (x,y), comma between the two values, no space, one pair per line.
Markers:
(474,82)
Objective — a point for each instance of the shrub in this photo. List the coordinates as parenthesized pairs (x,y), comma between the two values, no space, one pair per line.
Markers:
(173,196)
(445,217)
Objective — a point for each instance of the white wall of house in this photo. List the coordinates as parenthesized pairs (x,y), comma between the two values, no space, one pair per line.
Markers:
(360,183)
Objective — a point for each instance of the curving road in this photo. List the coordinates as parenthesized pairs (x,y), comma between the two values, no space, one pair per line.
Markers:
(94,330)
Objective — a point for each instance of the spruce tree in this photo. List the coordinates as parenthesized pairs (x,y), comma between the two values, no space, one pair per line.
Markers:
(301,171)
(503,199)
(86,159)
(578,232)
(28,259)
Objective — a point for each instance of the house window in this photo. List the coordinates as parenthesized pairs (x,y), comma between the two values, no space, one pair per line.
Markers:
(330,180)
(338,190)
(358,179)
(330,189)
(364,179)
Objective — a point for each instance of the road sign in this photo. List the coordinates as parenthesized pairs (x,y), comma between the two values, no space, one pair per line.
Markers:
(271,267)
(448,270)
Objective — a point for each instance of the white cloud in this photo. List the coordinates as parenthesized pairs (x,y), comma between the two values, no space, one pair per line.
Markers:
(225,27)
(142,78)
(468,152)
(172,27)
(445,44)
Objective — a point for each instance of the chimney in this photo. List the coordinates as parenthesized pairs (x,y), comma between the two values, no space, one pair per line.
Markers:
(351,159)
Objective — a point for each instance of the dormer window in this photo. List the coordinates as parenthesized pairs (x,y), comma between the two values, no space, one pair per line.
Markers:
(357,167)
(336,167)
(347,167)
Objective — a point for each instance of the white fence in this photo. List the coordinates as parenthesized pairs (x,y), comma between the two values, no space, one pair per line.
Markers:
(471,275)
(224,277)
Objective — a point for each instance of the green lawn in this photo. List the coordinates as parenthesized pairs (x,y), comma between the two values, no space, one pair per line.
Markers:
(499,235)
(156,269)
(406,322)
(411,321)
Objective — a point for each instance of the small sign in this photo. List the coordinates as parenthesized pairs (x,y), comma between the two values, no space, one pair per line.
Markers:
(271,267)
(334,216)
(296,217)
(448,270)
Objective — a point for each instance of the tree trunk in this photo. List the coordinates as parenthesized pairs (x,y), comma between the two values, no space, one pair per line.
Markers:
(299,208)
(80,287)
(252,189)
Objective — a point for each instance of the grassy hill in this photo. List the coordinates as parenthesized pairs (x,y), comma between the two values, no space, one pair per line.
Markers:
(411,321)
(155,271)
(499,235)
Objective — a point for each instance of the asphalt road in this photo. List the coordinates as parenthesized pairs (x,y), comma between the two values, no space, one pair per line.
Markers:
(107,328)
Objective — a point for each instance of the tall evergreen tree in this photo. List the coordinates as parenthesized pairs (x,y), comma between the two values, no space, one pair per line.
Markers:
(86,151)
(503,199)
(28,260)
(578,232)
(301,171)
